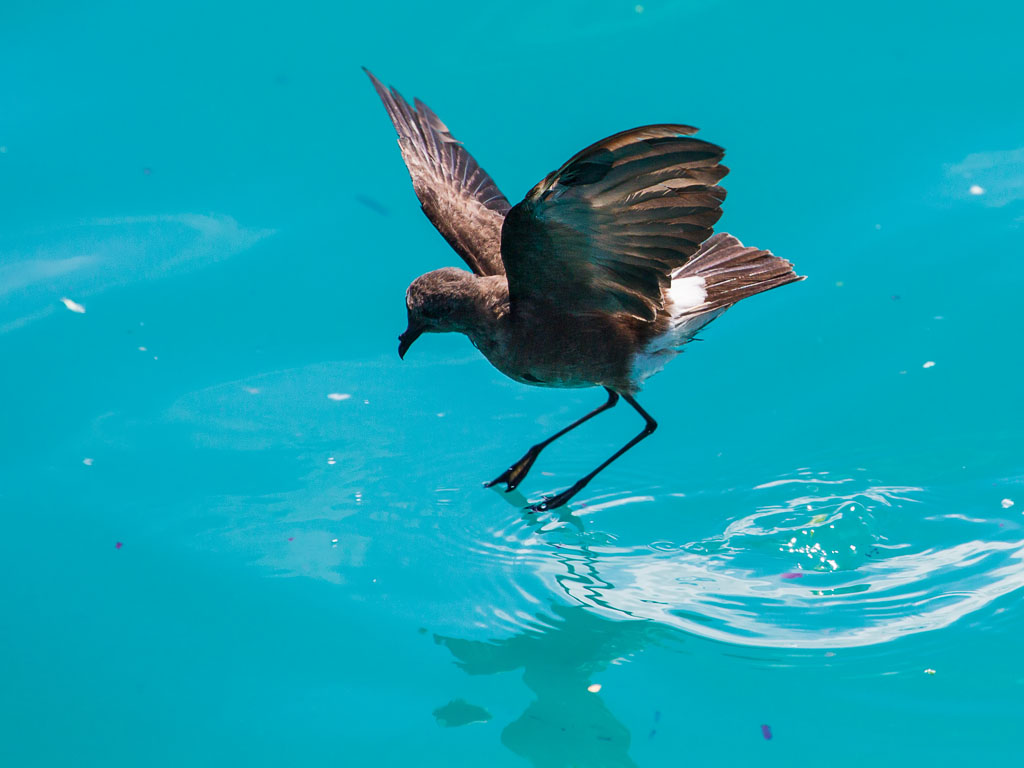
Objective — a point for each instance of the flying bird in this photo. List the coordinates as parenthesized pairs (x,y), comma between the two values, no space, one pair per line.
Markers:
(597,278)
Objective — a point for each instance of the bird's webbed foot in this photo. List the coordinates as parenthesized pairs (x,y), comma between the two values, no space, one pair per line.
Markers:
(515,474)
(556,501)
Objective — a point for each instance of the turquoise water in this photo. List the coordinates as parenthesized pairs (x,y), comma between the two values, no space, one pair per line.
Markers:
(207,560)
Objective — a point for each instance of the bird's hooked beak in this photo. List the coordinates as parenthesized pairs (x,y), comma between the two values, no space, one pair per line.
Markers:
(405,341)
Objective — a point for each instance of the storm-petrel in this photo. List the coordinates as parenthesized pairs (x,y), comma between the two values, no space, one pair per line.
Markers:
(596,279)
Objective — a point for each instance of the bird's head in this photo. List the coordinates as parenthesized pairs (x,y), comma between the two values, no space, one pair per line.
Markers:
(436,302)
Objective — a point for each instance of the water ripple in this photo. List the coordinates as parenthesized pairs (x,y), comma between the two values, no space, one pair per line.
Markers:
(814,562)
(331,488)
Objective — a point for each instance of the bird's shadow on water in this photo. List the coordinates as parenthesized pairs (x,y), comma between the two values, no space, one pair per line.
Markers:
(567,723)
(561,655)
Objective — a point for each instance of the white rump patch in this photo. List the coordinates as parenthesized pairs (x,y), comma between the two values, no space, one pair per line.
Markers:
(687,293)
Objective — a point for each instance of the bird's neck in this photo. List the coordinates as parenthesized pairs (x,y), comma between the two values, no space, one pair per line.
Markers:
(480,308)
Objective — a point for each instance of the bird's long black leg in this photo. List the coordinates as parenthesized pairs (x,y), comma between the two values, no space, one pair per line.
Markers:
(515,474)
(564,496)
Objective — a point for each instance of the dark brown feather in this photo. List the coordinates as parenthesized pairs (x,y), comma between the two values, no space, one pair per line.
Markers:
(457,195)
(603,233)
(733,271)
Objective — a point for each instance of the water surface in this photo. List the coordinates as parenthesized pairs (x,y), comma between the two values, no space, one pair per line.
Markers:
(238,530)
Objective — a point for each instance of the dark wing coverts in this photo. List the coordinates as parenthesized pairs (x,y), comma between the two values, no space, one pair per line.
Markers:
(604,232)
(455,192)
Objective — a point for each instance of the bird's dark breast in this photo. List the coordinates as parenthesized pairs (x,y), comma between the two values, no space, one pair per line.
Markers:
(554,350)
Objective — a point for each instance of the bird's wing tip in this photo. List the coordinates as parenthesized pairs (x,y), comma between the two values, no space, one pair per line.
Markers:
(373,78)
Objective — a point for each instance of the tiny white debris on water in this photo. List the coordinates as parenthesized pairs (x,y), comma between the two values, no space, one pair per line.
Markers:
(594,687)
(252,390)
(929,364)
(330,460)
(88,463)
(976,190)
(1007,503)
(929,671)
(74,306)
(338,396)
(142,349)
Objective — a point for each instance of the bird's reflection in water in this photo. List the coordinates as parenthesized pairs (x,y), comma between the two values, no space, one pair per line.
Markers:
(566,724)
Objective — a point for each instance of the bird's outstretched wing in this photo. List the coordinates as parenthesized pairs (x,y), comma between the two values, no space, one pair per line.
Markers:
(603,233)
(454,191)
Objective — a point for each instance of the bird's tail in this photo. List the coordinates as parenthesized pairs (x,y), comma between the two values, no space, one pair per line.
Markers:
(721,273)
(731,272)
